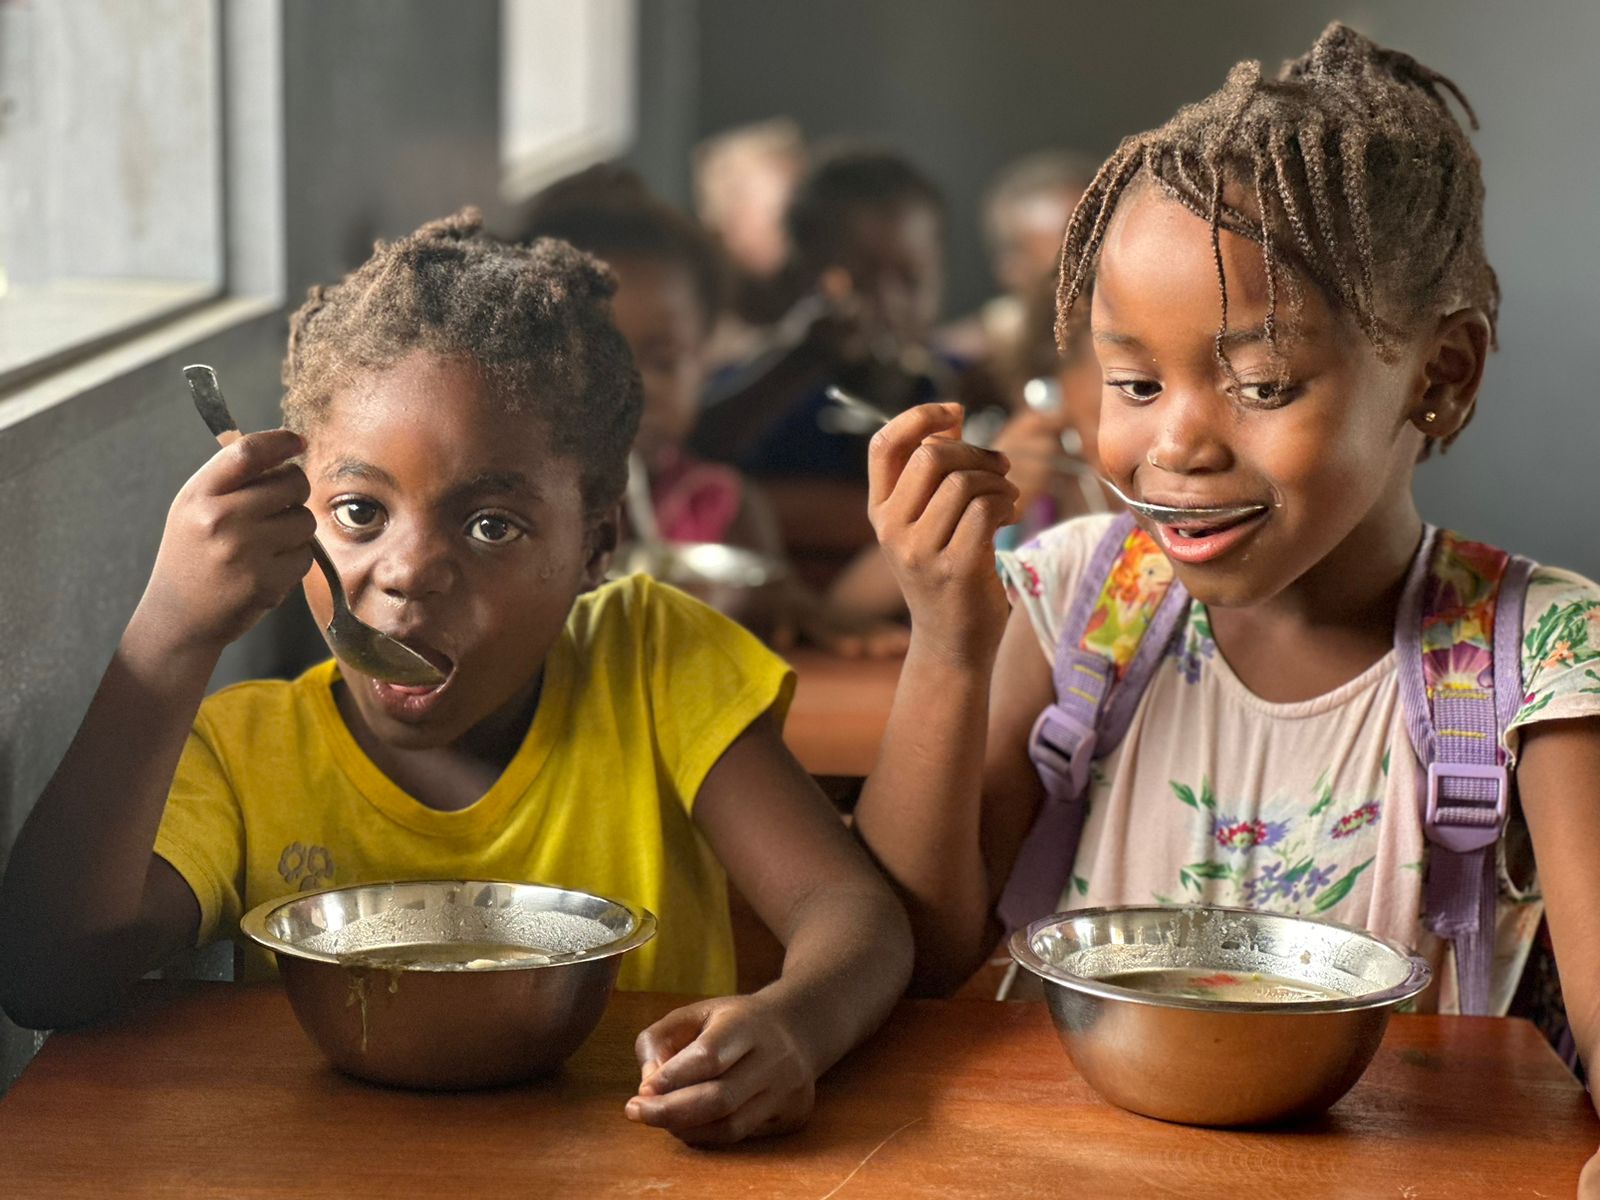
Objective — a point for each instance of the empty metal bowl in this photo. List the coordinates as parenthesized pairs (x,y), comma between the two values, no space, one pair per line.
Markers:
(448,983)
(1206,1061)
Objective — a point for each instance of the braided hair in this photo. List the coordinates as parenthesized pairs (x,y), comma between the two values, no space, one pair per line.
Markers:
(535,321)
(1349,169)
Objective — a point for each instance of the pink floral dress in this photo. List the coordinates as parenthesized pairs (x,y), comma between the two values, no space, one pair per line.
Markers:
(1217,796)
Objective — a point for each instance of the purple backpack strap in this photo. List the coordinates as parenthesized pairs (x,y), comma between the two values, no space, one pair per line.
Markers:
(1455,722)
(1087,720)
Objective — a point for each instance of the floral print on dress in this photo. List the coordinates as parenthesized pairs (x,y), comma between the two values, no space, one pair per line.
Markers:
(1298,858)
(1196,647)
(1557,655)
(1129,599)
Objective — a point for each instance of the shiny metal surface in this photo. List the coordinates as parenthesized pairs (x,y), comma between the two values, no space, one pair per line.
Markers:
(739,583)
(428,1026)
(1161,514)
(1211,1062)
(353,641)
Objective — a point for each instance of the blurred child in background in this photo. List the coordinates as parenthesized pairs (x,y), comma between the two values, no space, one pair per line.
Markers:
(671,283)
(743,181)
(1025,212)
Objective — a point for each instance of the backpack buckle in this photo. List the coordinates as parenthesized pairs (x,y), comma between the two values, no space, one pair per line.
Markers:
(1463,824)
(1063,744)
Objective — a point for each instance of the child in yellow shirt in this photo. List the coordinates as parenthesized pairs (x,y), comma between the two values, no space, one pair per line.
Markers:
(458,417)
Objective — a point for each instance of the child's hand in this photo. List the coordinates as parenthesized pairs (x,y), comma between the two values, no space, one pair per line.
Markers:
(718,1071)
(936,503)
(237,540)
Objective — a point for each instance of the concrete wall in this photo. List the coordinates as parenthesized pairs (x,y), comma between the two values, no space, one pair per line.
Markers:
(964,88)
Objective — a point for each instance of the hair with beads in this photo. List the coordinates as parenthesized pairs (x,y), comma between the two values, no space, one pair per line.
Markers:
(1349,168)
(534,320)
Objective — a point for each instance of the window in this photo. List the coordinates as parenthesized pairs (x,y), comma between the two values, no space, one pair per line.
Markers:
(567,90)
(110,172)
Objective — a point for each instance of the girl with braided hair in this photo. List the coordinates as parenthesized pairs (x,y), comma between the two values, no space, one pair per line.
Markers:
(1291,307)
(459,413)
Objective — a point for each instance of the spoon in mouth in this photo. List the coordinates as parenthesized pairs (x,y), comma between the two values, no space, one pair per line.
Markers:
(1161,514)
(353,642)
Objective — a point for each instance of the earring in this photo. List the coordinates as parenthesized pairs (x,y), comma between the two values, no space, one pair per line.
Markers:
(1430,416)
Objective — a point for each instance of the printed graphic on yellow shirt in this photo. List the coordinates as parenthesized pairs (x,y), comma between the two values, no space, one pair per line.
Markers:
(306,868)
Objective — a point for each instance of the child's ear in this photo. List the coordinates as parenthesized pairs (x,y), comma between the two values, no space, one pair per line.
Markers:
(1453,373)
(603,537)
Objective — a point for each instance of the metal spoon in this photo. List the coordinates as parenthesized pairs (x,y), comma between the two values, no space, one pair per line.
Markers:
(353,641)
(871,416)
(1161,514)
(653,555)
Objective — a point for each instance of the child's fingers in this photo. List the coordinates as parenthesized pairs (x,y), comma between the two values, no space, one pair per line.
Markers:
(701,1103)
(289,530)
(246,459)
(283,487)
(896,442)
(667,1036)
(926,471)
(958,494)
(975,533)
(718,1048)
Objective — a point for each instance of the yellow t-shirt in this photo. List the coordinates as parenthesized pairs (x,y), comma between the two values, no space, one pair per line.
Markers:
(642,693)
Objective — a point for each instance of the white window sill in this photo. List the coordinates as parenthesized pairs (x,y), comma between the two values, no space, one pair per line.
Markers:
(43,327)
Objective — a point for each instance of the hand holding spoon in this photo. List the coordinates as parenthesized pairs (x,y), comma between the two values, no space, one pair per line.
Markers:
(353,641)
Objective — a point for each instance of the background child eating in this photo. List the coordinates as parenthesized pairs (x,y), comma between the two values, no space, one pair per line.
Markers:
(459,414)
(1291,307)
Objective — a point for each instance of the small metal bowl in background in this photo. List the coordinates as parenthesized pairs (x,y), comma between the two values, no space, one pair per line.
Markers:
(739,583)
(433,1025)
(1216,1062)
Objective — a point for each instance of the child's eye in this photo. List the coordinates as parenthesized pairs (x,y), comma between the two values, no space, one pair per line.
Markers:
(1271,393)
(1141,391)
(496,531)
(358,516)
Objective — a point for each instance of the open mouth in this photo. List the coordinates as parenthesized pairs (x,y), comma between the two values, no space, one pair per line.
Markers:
(410,700)
(1199,529)
(1203,538)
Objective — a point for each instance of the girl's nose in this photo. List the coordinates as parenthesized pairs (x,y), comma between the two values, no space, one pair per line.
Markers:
(413,563)
(1190,435)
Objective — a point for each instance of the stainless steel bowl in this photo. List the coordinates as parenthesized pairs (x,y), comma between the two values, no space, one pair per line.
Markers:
(377,1015)
(1208,1061)
(738,583)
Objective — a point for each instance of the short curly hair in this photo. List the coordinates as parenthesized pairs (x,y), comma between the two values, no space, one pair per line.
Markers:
(535,320)
(1348,167)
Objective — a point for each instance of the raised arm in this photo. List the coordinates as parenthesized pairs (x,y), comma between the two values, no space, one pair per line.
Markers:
(86,908)
(720,1070)
(936,503)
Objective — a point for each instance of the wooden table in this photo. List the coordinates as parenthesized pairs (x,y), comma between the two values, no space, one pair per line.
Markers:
(212,1090)
(840,708)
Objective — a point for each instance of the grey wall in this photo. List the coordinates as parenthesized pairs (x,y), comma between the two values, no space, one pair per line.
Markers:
(965,87)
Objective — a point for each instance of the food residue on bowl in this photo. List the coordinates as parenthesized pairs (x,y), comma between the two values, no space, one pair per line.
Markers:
(1238,987)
